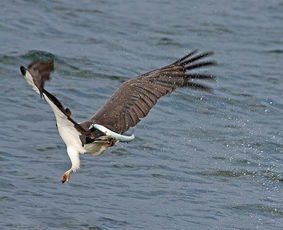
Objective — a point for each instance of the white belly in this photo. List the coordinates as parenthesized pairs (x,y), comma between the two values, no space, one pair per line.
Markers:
(71,137)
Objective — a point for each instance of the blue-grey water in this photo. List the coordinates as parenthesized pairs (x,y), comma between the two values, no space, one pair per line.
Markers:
(200,160)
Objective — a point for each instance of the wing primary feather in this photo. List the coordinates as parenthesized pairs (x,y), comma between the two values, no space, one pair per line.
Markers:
(197,57)
(201,64)
(201,76)
(185,57)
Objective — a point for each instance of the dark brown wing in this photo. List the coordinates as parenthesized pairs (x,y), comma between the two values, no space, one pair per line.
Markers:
(36,75)
(137,96)
(41,73)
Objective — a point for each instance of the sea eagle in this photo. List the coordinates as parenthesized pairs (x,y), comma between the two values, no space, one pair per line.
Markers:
(124,109)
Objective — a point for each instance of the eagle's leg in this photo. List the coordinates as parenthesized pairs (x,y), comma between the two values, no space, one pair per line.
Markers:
(75,160)
(66,176)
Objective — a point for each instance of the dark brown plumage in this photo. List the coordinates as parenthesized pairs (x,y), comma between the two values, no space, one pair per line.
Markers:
(135,97)
(42,72)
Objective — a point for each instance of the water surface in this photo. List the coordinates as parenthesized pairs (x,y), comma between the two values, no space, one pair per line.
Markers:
(200,160)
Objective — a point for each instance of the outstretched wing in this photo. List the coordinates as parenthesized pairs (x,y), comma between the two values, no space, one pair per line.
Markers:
(135,97)
(36,74)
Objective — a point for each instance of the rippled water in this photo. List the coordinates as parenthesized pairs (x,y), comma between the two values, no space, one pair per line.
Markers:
(200,161)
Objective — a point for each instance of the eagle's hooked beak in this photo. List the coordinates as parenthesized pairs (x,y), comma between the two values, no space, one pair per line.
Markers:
(23,70)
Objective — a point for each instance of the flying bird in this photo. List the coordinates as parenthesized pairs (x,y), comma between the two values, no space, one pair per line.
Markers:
(123,110)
